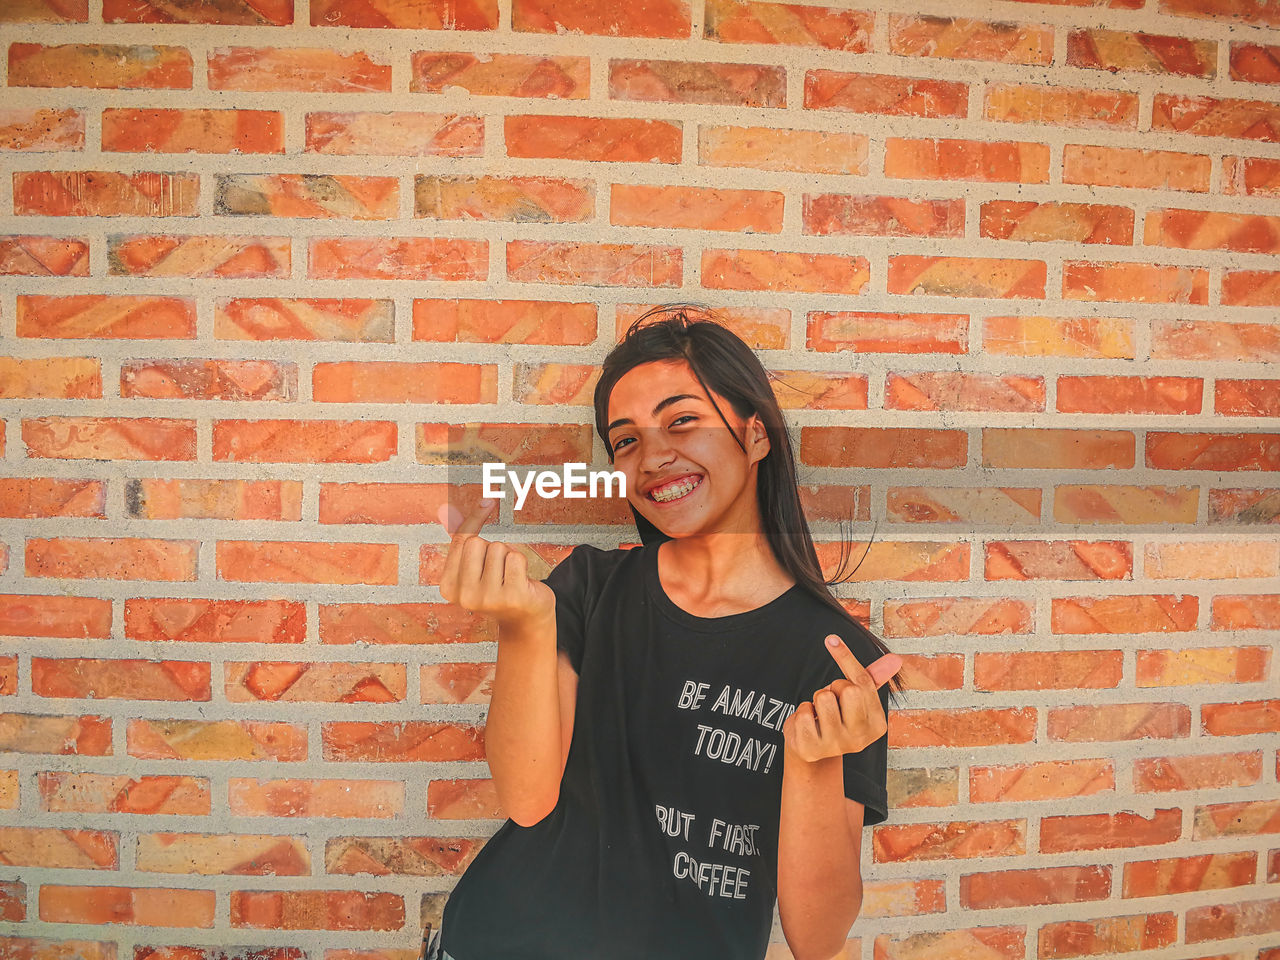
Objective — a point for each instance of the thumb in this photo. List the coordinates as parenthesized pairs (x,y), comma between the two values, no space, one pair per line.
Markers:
(884,668)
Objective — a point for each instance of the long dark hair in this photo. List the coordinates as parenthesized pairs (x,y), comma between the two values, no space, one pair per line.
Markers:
(722,362)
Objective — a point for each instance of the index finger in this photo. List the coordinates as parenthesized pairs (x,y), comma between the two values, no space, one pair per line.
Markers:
(851,667)
(473,521)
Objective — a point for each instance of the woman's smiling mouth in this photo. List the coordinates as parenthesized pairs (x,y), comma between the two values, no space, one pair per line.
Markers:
(677,489)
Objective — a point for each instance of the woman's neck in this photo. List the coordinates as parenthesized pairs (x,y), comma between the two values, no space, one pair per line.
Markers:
(721,574)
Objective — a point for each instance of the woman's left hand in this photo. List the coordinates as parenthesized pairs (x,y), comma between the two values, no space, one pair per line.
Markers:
(846,715)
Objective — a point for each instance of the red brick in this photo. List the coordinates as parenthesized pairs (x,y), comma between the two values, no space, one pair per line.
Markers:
(119,558)
(780,270)
(192,131)
(654,18)
(696,208)
(504,321)
(536,199)
(402,623)
(1251,176)
(41,129)
(1213,451)
(1134,282)
(1245,612)
(27,256)
(1202,665)
(316,910)
(1255,63)
(943,390)
(1023,336)
(304,319)
(1108,936)
(828,214)
(209,380)
(962,728)
(315,798)
(1124,614)
(1116,50)
(135,906)
(87,193)
(216,740)
(964,39)
(421,15)
(602,264)
(888,332)
(735,21)
(99,66)
(593,138)
(883,447)
(49,11)
(54,378)
(983,161)
(463,800)
(155,499)
(679,81)
(23,497)
(397,503)
(1120,721)
(1093,503)
(397,258)
(1009,506)
(1059,560)
(401,741)
(308,69)
(1246,11)
(1073,222)
(1216,117)
(308,196)
(956,840)
(1244,506)
(32,615)
(1241,719)
(1247,398)
(1244,818)
(389,381)
(395,134)
(247,12)
(1109,831)
(966,277)
(1214,340)
(307,682)
(501,74)
(1208,230)
(885,93)
(60,735)
(303,441)
(1251,288)
(1065,106)
(1047,670)
(768,148)
(300,562)
(213,854)
(120,679)
(1045,780)
(110,438)
(1155,395)
(1210,871)
(215,621)
(224,257)
(1196,772)
(98,317)
(1141,169)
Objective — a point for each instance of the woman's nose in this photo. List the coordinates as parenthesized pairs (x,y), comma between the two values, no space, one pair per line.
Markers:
(655,449)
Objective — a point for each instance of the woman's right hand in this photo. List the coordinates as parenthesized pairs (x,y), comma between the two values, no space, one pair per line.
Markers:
(491,578)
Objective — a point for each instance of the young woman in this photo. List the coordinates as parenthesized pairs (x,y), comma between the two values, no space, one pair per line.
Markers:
(684,732)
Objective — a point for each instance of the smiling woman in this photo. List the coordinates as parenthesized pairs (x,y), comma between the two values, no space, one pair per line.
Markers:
(685,732)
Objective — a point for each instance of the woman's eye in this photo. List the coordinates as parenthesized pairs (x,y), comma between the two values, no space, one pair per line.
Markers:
(685,416)
(620,444)
(623,442)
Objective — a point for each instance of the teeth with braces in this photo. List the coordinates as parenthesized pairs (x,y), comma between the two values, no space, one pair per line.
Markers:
(672,493)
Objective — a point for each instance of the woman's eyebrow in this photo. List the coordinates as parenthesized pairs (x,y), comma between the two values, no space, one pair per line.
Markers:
(662,405)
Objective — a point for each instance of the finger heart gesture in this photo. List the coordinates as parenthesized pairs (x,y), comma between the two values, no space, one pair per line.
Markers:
(846,715)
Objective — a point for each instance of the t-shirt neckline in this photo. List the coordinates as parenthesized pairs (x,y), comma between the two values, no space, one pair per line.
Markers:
(732,621)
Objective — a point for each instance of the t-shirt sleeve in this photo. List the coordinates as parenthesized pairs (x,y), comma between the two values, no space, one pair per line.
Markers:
(570,582)
(865,772)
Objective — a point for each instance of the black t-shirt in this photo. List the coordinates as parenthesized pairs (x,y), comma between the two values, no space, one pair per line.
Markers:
(664,841)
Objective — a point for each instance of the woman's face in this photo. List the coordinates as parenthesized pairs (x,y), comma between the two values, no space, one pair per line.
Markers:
(668,440)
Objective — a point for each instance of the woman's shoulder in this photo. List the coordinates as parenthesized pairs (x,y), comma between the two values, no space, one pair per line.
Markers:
(816,619)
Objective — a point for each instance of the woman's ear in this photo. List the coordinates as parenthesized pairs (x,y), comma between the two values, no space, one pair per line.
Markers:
(758,438)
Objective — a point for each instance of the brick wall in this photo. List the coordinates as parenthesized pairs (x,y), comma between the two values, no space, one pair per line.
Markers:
(1015,264)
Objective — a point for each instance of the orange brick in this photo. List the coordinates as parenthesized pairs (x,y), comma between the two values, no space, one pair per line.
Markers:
(1244,506)
(120,558)
(1047,670)
(110,438)
(1117,50)
(22,498)
(501,74)
(308,196)
(999,943)
(402,740)
(1074,222)
(884,447)
(679,81)
(155,499)
(1251,288)
(216,740)
(303,441)
(426,15)
(463,800)
(888,332)
(1213,451)
(305,682)
(1244,818)
(695,208)
(407,503)
(192,131)
(392,258)
(98,317)
(83,677)
(58,735)
(1049,449)
(27,256)
(41,129)
(656,18)
(593,138)
(402,623)
(1245,11)
(209,380)
(1196,772)
(885,93)
(1210,871)
(944,390)
(1108,936)
(1134,282)
(768,148)
(958,839)
(830,214)
(315,798)
(1046,780)
(914,787)
(761,328)
(1059,560)
(64,378)
(1247,398)
(300,562)
(272,69)
(1090,503)
(959,38)
(1120,721)
(135,906)
(1156,395)
(1216,117)
(1214,340)
(966,277)
(456,682)
(1124,614)
(906,560)
(1109,831)
(224,257)
(237,854)
(304,319)
(85,193)
(945,672)
(1064,106)
(1251,176)
(64,792)
(536,199)
(779,270)
(392,382)
(316,910)
(1208,230)
(594,264)
(99,66)
(395,134)
(1000,162)
(735,21)
(1024,336)
(962,728)
(1142,169)
(247,12)
(49,11)
(31,615)
(513,443)
(1255,63)
(1000,505)
(504,321)
(1242,720)
(215,621)
(1167,668)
